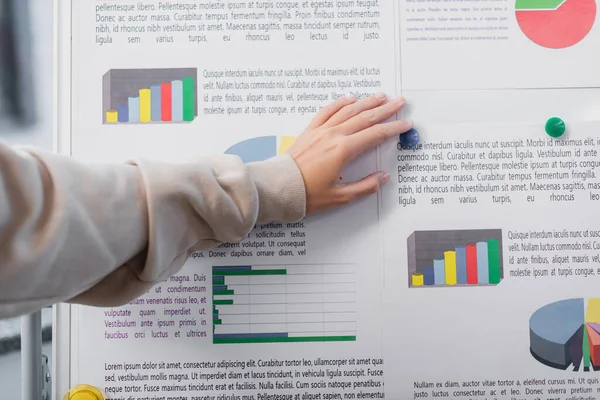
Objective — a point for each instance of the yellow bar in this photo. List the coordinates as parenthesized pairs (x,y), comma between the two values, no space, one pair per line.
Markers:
(285,143)
(592,314)
(450,267)
(418,279)
(112,116)
(145,105)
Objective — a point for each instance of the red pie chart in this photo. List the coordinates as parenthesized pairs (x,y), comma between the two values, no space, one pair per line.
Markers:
(556,24)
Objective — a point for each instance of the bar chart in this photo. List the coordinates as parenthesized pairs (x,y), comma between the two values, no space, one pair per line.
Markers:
(455,258)
(149,96)
(566,334)
(284,304)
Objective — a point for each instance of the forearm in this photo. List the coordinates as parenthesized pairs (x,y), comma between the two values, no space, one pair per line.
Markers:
(104,234)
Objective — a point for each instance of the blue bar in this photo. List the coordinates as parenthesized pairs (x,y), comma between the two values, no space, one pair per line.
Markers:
(216,277)
(233,268)
(134,109)
(155,102)
(439,272)
(428,276)
(220,287)
(461,265)
(177,100)
(249,335)
(123,111)
(483,273)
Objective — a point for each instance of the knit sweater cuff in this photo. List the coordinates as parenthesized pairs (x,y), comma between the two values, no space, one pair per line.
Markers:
(281,189)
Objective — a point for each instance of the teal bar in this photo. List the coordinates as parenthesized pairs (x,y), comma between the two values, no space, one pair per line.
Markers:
(483,272)
(439,272)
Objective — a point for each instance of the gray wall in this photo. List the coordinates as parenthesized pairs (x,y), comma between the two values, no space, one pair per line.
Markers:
(39,136)
(42,14)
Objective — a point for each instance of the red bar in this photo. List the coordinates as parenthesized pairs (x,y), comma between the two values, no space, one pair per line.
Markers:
(471,264)
(165,103)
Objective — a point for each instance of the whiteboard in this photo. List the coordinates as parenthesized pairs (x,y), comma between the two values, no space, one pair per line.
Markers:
(460,104)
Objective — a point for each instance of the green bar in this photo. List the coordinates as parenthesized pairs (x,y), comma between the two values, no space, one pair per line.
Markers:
(493,261)
(287,340)
(537,4)
(222,302)
(217,322)
(218,282)
(222,292)
(188,99)
(215,312)
(586,348)
(252,272)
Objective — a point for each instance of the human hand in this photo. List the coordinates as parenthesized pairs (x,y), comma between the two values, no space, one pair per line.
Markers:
(337,135)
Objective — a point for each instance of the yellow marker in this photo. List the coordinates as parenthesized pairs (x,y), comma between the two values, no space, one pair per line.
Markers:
(112,116)
(285,143)
(145,105)
(450,267)
(84,392)
(418,279)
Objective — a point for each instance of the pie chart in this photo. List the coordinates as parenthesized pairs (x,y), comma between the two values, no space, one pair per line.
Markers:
(566,334)
(261,148)
(556,24)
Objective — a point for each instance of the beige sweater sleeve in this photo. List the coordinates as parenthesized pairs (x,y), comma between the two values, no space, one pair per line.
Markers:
(102,235)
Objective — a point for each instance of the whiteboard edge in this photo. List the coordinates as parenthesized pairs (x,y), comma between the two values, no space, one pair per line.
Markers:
(61,320)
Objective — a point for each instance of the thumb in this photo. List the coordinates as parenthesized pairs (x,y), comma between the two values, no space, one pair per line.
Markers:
(364,187)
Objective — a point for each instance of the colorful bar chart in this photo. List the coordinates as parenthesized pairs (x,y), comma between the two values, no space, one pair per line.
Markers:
(149,96)
(283,304)
(566,334)
(455,258)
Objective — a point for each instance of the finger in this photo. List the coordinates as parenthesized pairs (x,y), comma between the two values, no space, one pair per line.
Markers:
(353,110)
(368,185)
(329,110)
(368,118)
(374,136)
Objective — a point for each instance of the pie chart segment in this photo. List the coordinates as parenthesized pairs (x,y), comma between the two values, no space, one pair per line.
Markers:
(594,338)
(566,334)
(556,24)
(261,148)
(553,328)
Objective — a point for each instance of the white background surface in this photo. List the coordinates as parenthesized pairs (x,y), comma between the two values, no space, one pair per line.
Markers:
(438,114)
(39,136)
(530,107)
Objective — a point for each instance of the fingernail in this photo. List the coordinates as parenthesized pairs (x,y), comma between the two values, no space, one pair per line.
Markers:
(400,100)
(350,97)
(410,122)
(384,177)
(380,96)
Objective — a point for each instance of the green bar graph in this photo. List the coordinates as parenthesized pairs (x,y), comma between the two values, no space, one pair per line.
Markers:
(283,303)
(188,99)
(494,261)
